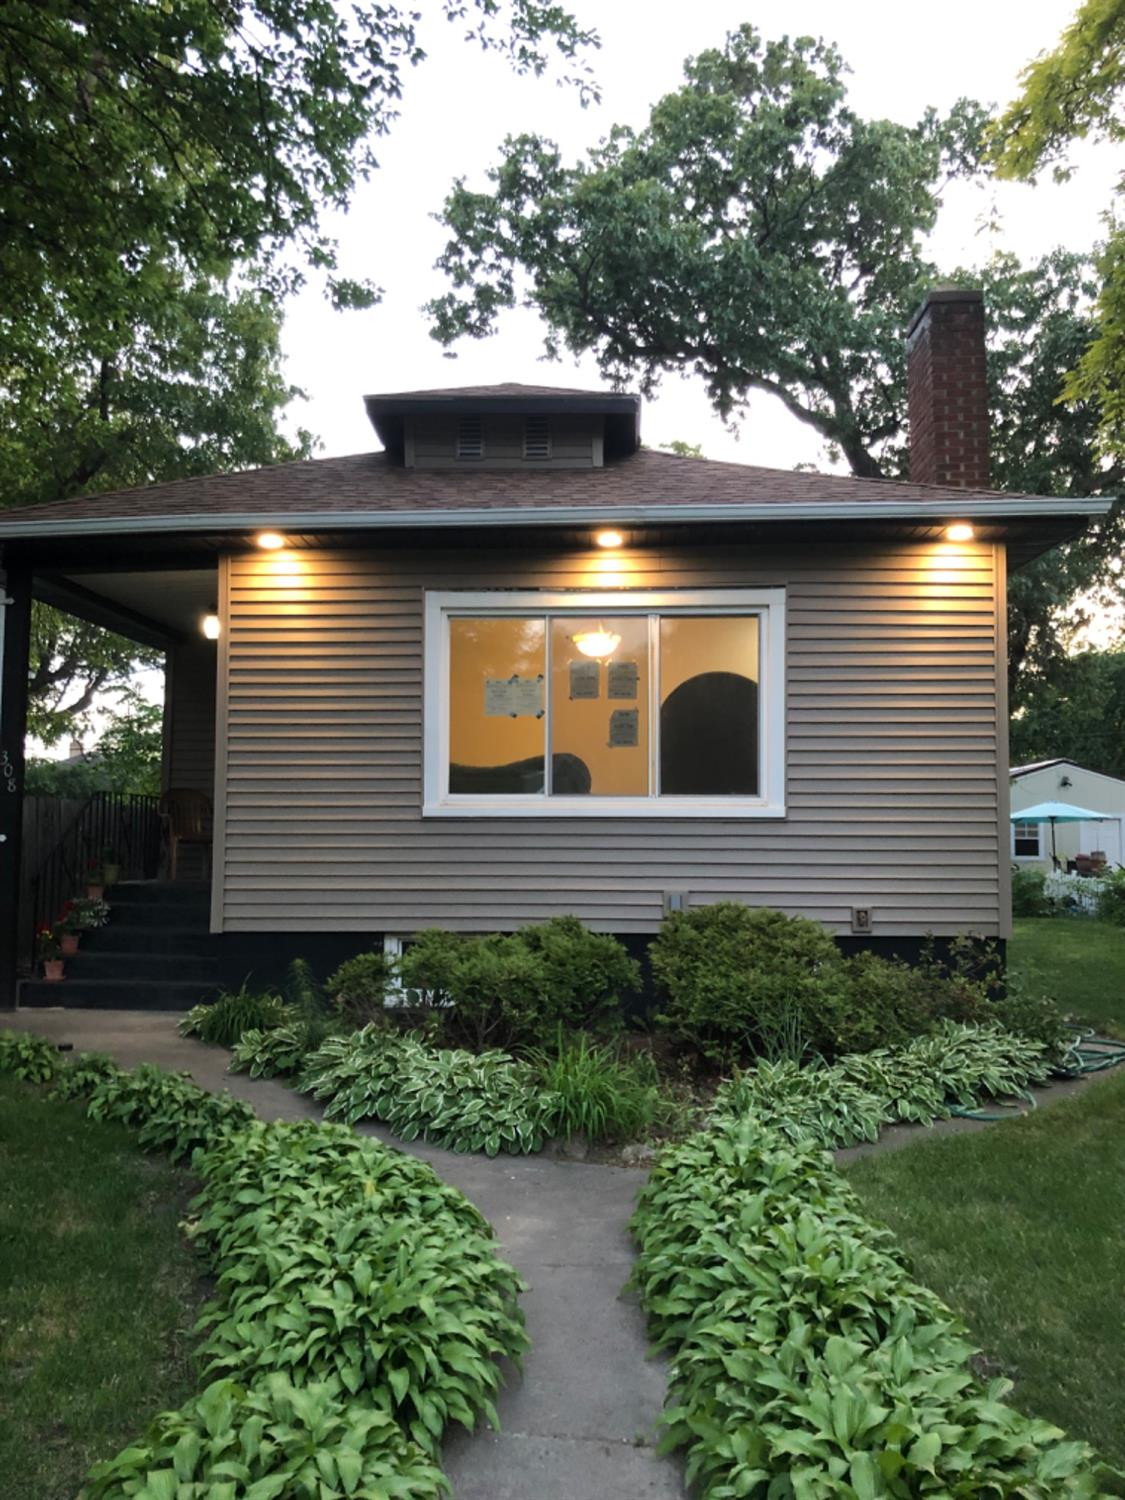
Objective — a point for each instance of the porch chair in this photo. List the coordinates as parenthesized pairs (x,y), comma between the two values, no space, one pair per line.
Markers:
(187,819)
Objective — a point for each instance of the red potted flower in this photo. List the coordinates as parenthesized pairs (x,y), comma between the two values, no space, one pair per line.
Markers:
(95,879)
(48,945)
(69,926)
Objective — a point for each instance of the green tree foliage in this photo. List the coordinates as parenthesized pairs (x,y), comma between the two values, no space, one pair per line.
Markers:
(1075,93)
(1078,711)
(126,758)
(224,130)
(71,662)
(758,234)
(163,174)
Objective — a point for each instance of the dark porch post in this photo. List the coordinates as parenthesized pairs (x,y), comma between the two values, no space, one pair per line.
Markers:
(15,632)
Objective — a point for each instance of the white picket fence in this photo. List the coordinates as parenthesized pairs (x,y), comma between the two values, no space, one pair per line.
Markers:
(1076,891)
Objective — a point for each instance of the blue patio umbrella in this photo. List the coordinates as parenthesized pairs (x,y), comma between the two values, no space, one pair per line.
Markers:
(1056,812)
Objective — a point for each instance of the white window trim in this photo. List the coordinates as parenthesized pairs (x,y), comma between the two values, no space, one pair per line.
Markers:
(1039,841)
(441,606)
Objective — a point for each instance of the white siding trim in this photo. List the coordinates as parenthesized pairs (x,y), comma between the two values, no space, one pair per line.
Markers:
(441,606)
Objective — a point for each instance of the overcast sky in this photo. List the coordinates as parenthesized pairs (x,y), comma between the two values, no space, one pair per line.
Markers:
(460,104)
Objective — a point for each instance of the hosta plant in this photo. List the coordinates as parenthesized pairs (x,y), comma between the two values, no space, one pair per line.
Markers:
(278,1052)
(805,1362)
(276,1441)
(338,1259)
(81,1075)
(463,1100)
(32,1058)
(851,1100)
(167,1109)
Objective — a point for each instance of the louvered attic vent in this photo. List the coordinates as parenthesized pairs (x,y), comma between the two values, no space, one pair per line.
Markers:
(470,438)
(536,437)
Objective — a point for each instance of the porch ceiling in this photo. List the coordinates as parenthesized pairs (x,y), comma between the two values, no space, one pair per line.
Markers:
(142,605)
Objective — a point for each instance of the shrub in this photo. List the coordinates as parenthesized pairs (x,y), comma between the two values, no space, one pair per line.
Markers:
(805,1361)
(736,981)
(463,1100)
(494,990)
(234,1012)
(358,988)
(1111,899)
(883,1003)
(1028,898)
(32,1058)
(587,973)
(598,1094)
(513,990)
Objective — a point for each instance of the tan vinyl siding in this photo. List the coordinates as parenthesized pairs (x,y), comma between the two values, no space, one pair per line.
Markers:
(892,751)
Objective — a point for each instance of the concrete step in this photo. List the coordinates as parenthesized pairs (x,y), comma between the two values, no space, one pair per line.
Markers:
(158,892)
(125,937)
(99,963)
(115,994)
(193,917)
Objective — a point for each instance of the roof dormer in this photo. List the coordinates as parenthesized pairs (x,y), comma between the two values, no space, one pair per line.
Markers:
(506,427)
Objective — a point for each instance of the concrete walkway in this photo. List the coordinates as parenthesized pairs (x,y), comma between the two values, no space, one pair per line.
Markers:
(578,1424)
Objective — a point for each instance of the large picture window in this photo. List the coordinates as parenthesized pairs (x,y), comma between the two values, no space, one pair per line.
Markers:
(582,704)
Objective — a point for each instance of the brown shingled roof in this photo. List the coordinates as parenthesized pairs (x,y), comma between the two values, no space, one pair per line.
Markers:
(502,391)
(370,483)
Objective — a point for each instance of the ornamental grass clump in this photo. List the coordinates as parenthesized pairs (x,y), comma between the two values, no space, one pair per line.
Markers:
(597,1093)
(804,1359)
(224,1020)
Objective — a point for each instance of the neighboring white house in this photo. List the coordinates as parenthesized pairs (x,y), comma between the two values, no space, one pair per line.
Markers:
(1064,781)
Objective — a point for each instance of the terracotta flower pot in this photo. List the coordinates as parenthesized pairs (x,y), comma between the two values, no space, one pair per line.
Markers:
(112,874)
(95,892)
(69,941)
(53,969)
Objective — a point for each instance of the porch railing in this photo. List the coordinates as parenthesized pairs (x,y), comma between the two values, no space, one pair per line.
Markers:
(126,823)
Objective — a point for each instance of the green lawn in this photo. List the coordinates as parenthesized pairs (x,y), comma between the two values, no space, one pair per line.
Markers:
(98,1292)
(1019,1228)
(1079,961)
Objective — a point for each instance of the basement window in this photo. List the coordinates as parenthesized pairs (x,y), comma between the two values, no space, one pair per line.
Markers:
(605,704)
(536,438)
(470,438)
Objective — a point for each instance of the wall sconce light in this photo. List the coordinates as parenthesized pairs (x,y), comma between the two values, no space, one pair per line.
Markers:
(270,540)
(210,626)
(960,531)
(609,539)
(598,644)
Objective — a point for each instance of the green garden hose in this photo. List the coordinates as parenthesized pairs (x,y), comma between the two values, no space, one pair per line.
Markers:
(1085,1053)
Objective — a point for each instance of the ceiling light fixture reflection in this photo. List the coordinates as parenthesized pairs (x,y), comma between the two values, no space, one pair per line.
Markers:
(609,539)
(598,644)
(960,531)
(270,540)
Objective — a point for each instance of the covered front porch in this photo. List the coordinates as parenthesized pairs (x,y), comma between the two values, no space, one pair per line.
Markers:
(157,951)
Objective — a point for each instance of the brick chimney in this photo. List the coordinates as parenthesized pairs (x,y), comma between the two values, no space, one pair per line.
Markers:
(947,391)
